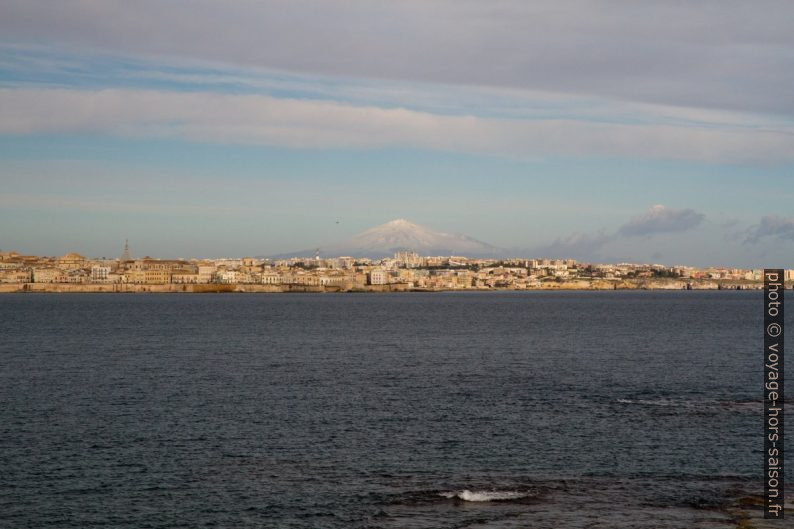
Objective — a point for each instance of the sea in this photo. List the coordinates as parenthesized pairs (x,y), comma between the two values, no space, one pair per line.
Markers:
(625,409)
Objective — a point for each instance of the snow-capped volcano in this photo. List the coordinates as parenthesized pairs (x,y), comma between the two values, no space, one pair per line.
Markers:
(400,234)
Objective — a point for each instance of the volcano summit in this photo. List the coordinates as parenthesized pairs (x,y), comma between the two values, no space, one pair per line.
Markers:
(399,235)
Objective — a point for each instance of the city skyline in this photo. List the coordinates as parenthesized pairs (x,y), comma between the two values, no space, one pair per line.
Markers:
(676,149)
(405,271)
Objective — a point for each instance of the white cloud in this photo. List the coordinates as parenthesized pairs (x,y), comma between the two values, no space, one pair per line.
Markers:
(267,120)
(711,53)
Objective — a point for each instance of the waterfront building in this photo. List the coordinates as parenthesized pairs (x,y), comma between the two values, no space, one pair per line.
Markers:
(185,277)
(99,274)
(378,276)
(16,275)
(47,275)
(148,277)
(206,273)
(226,276)
(270,277)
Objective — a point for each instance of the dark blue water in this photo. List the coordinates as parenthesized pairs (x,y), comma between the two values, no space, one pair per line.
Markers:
(591,409)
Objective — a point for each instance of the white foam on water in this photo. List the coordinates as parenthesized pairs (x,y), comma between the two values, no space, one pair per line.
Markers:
(656,402)
(485,495)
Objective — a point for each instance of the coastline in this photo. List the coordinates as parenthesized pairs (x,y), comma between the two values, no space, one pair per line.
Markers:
(645,284)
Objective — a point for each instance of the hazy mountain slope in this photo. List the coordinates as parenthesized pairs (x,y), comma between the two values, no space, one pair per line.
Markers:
(400,234)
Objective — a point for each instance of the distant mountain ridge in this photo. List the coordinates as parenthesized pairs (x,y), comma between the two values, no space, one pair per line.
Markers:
(400,235)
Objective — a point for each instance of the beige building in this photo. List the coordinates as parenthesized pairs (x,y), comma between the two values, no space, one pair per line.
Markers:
(338,280)
(303,278)
(271,278)
(47,275)
(16,276)
(206,273)
(185,277)
(148,277)
(464,279)
(408,259)
(71,261)
(147,263)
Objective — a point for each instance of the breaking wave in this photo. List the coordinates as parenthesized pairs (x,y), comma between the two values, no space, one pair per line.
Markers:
(484,495)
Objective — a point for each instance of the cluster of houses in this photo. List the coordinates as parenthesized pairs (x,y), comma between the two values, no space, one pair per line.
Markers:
(404,268)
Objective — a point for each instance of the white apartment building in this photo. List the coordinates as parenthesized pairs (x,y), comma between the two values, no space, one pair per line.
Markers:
(378,276)
(228,276)
(99,274)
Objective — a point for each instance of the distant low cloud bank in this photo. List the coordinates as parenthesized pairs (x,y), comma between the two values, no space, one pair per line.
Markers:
(772,226)
(660,219)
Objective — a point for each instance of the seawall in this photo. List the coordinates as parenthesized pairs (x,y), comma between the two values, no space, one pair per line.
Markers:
(637,284)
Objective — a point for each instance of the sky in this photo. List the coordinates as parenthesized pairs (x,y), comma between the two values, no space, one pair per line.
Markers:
(604,131)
